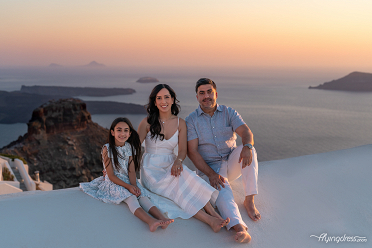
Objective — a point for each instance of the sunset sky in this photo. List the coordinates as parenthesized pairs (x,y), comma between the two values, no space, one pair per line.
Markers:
(329,33)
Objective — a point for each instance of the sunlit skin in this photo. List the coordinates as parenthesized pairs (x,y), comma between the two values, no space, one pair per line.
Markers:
(207,97)
(121,134)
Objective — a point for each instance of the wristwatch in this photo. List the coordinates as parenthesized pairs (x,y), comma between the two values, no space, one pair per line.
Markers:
(249,146)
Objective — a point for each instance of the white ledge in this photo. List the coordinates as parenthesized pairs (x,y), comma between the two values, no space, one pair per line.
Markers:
(298,197)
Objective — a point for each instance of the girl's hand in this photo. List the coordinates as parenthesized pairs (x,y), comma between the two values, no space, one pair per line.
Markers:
(177,168)
(134,190)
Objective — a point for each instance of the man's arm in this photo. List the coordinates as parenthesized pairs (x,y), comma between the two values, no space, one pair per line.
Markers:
(215,179)
(247,138)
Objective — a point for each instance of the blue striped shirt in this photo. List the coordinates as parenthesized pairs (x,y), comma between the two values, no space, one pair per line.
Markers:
(216,134)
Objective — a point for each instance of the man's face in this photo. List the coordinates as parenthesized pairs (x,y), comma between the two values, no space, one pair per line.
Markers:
(207,96)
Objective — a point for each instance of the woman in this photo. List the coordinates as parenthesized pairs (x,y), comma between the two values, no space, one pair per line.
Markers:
(162,171)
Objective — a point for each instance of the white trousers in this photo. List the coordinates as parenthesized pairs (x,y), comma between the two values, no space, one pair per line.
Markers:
(231,170)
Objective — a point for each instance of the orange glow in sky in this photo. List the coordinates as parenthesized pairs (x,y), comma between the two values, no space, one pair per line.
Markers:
(186,33)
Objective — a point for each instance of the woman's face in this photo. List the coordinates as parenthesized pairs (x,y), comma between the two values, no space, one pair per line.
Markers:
(164,100)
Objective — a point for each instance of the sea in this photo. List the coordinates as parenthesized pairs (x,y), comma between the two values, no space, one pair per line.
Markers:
(286,118)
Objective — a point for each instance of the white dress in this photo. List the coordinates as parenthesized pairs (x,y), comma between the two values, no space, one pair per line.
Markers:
(103,189)
(188,191)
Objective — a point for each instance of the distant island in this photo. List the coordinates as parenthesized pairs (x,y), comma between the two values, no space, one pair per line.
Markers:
(147,80)
(355,81)
(75,91)
(17,107)
(94,64)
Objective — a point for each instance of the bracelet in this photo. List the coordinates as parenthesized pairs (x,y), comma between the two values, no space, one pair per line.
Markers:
(180,160)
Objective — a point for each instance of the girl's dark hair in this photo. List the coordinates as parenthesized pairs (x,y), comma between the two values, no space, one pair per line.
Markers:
(133,140)
(153,111)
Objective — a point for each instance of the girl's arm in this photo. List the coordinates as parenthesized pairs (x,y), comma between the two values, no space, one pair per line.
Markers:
(182,149)
(142,129)
(133,177)
(110,173)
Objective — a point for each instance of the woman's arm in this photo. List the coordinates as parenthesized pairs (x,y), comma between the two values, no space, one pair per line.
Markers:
(182,149)
(142,129)
(110,173)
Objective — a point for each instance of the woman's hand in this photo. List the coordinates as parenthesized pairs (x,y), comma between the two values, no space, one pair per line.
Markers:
(177,168)
(134,190)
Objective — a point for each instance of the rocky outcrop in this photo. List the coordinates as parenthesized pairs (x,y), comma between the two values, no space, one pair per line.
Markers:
(57,117)
(355,81)
(62,143)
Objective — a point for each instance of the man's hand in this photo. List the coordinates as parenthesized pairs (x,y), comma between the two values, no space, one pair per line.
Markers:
(217,181)
(245,156)
(134,190)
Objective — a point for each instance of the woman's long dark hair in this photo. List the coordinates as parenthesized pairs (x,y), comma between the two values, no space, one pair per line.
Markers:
(153,111)
(133,140)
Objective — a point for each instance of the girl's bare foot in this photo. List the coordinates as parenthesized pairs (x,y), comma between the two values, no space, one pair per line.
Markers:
(154,225)
(169,221)
(242,237)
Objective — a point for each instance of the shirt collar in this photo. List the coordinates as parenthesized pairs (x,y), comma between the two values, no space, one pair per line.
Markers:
(199,110)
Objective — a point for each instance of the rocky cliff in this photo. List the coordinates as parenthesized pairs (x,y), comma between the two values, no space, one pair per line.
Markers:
(62,143)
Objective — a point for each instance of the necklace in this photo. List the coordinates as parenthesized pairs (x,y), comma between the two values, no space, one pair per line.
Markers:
(165,120)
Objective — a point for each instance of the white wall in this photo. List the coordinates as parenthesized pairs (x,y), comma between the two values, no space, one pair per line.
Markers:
(4,184)
(29,183)
(6,188)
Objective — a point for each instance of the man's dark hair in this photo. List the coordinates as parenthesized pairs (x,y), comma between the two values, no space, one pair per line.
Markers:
(204,81)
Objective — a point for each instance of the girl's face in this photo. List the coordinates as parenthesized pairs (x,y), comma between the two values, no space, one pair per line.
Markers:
(164,100)
(121,133)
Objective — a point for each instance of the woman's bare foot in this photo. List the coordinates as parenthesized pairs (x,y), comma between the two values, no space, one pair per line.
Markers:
(242,237)
(211,211)
(251,208)
(216,223)
(154,225)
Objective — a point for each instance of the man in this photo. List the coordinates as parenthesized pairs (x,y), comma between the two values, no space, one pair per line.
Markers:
(212,148)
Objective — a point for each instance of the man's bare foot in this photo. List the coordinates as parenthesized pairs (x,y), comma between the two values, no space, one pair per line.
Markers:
(154,225)
(242,237)
(169,221)
(251,209)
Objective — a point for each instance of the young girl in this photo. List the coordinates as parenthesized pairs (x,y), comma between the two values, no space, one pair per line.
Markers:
(121,160)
